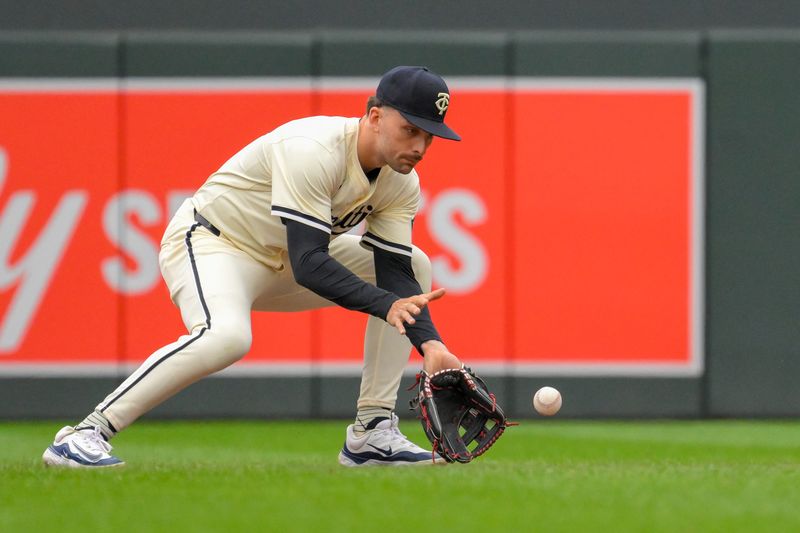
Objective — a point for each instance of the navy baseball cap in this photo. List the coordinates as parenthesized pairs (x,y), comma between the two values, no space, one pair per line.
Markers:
(421,96)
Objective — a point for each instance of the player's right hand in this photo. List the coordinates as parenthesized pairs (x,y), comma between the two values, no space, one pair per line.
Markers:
(404,310)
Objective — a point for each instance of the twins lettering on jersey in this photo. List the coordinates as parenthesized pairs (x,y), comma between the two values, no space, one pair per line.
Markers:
(349,221)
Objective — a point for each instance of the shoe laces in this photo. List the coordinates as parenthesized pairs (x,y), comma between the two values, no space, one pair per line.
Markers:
(395,428)
(94,441)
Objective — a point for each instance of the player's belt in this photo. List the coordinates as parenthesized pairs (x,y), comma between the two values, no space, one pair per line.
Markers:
(200,219)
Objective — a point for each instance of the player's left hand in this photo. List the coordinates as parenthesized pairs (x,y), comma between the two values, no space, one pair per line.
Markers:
(459,415)
(437,357)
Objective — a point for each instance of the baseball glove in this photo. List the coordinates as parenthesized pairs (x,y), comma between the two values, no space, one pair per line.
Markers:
(458,413)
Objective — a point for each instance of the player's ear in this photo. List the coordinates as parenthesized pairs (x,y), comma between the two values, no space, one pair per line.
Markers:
(373,116)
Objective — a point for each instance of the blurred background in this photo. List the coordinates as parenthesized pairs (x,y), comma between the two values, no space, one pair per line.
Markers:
(624,208)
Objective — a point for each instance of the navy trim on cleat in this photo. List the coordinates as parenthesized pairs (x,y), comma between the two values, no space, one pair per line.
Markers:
(84,448)
(384,445)
(62,450)
(400,457)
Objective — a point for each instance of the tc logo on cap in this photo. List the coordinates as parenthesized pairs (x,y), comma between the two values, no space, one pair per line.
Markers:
(442,102)
(411,91)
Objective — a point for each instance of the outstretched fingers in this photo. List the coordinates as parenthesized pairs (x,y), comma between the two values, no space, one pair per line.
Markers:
(422,300)
(434,295)
(404,310)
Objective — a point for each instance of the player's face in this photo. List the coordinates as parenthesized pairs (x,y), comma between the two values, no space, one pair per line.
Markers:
(402,145)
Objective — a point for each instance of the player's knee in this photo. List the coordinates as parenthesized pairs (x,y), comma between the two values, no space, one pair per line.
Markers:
(422,268)
(229,344)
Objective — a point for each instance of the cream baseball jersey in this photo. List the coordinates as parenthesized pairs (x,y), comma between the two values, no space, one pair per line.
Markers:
(307,170)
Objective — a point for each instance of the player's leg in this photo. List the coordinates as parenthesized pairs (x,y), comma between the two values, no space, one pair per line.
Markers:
(214,285)
(374,437)
(386,354)
(214,291)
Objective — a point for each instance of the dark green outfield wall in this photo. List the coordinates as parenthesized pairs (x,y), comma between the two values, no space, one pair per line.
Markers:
(463,15)
(753,271)
(752,242)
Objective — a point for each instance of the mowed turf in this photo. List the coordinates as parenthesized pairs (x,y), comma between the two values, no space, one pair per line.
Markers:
(541,476)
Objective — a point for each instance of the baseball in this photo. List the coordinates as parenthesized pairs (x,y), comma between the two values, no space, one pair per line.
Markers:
(547,401)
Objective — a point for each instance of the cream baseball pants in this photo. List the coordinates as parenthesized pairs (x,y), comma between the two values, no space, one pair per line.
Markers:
(216,286)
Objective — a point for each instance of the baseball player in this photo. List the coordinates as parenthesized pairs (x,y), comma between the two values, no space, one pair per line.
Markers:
(268,232)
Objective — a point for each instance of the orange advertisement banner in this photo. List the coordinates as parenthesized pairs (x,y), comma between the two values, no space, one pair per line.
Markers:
(565,225)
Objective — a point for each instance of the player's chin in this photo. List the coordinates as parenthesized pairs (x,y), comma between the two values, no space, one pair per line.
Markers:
(403,167)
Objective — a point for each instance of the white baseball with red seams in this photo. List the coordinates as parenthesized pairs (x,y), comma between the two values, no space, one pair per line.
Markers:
(547,401)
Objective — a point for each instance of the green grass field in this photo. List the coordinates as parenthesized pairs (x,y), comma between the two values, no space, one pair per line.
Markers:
(541,476)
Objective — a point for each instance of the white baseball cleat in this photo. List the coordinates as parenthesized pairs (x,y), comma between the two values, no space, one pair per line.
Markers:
(85,448)
(384,446)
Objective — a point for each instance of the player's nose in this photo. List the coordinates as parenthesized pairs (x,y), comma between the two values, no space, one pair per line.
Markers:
(421,144)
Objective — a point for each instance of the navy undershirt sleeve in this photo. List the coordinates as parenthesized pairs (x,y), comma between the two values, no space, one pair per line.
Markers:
(395,274)
(315,269)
